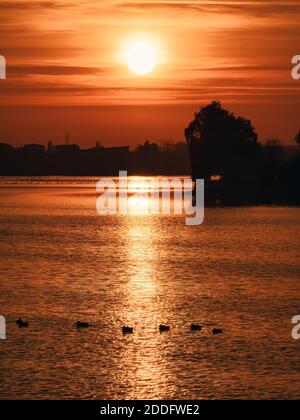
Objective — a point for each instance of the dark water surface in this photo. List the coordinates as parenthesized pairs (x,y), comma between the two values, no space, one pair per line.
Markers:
(60,262)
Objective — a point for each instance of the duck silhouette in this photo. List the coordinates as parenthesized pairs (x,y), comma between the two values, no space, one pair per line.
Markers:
(127,330)
(217,331)
(21,323)
(80,324)
(164,328)
(196,327)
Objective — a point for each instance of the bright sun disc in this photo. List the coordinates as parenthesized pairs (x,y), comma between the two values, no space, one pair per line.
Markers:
(141,57)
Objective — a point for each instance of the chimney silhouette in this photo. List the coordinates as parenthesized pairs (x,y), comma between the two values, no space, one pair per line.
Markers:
(67,138)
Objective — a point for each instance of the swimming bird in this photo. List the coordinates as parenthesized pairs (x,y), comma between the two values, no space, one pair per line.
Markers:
(196,327)
(164,328)
(217,331)
(82,324)
(127,330)
(21,323)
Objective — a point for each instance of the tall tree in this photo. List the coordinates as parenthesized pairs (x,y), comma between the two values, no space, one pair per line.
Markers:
(221,144)
(297,139)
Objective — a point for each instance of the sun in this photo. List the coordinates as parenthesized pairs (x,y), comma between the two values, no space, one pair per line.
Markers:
(141,57)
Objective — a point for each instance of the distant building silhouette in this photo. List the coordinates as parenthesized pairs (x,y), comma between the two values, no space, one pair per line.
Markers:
(50,148)
(67,148)
(275,178)
(70,159)
(5,148)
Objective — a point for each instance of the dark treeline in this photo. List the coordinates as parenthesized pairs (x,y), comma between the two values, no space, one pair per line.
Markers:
(224,150)
(220,148)
(71,160)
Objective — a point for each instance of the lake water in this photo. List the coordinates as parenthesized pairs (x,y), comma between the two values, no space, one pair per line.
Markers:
(61,262)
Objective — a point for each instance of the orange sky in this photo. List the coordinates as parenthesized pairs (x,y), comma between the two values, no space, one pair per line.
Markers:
(66,68)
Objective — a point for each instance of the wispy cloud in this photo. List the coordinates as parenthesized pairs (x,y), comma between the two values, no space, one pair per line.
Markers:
(54,70)
(59,48)
(32,4)
(262,8)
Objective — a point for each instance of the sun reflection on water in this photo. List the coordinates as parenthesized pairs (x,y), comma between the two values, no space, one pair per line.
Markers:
(144,310)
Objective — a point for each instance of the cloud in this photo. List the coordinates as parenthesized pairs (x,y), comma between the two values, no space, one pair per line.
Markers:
(25,5)
(258,9)
(227,51)
(191,87)
(241,68)
(54,70)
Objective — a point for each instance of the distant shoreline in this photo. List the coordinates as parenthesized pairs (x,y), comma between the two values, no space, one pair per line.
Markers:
(213,190)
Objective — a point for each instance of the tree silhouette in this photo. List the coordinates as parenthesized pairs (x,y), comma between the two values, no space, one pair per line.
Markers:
(148,147)
(222,144)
